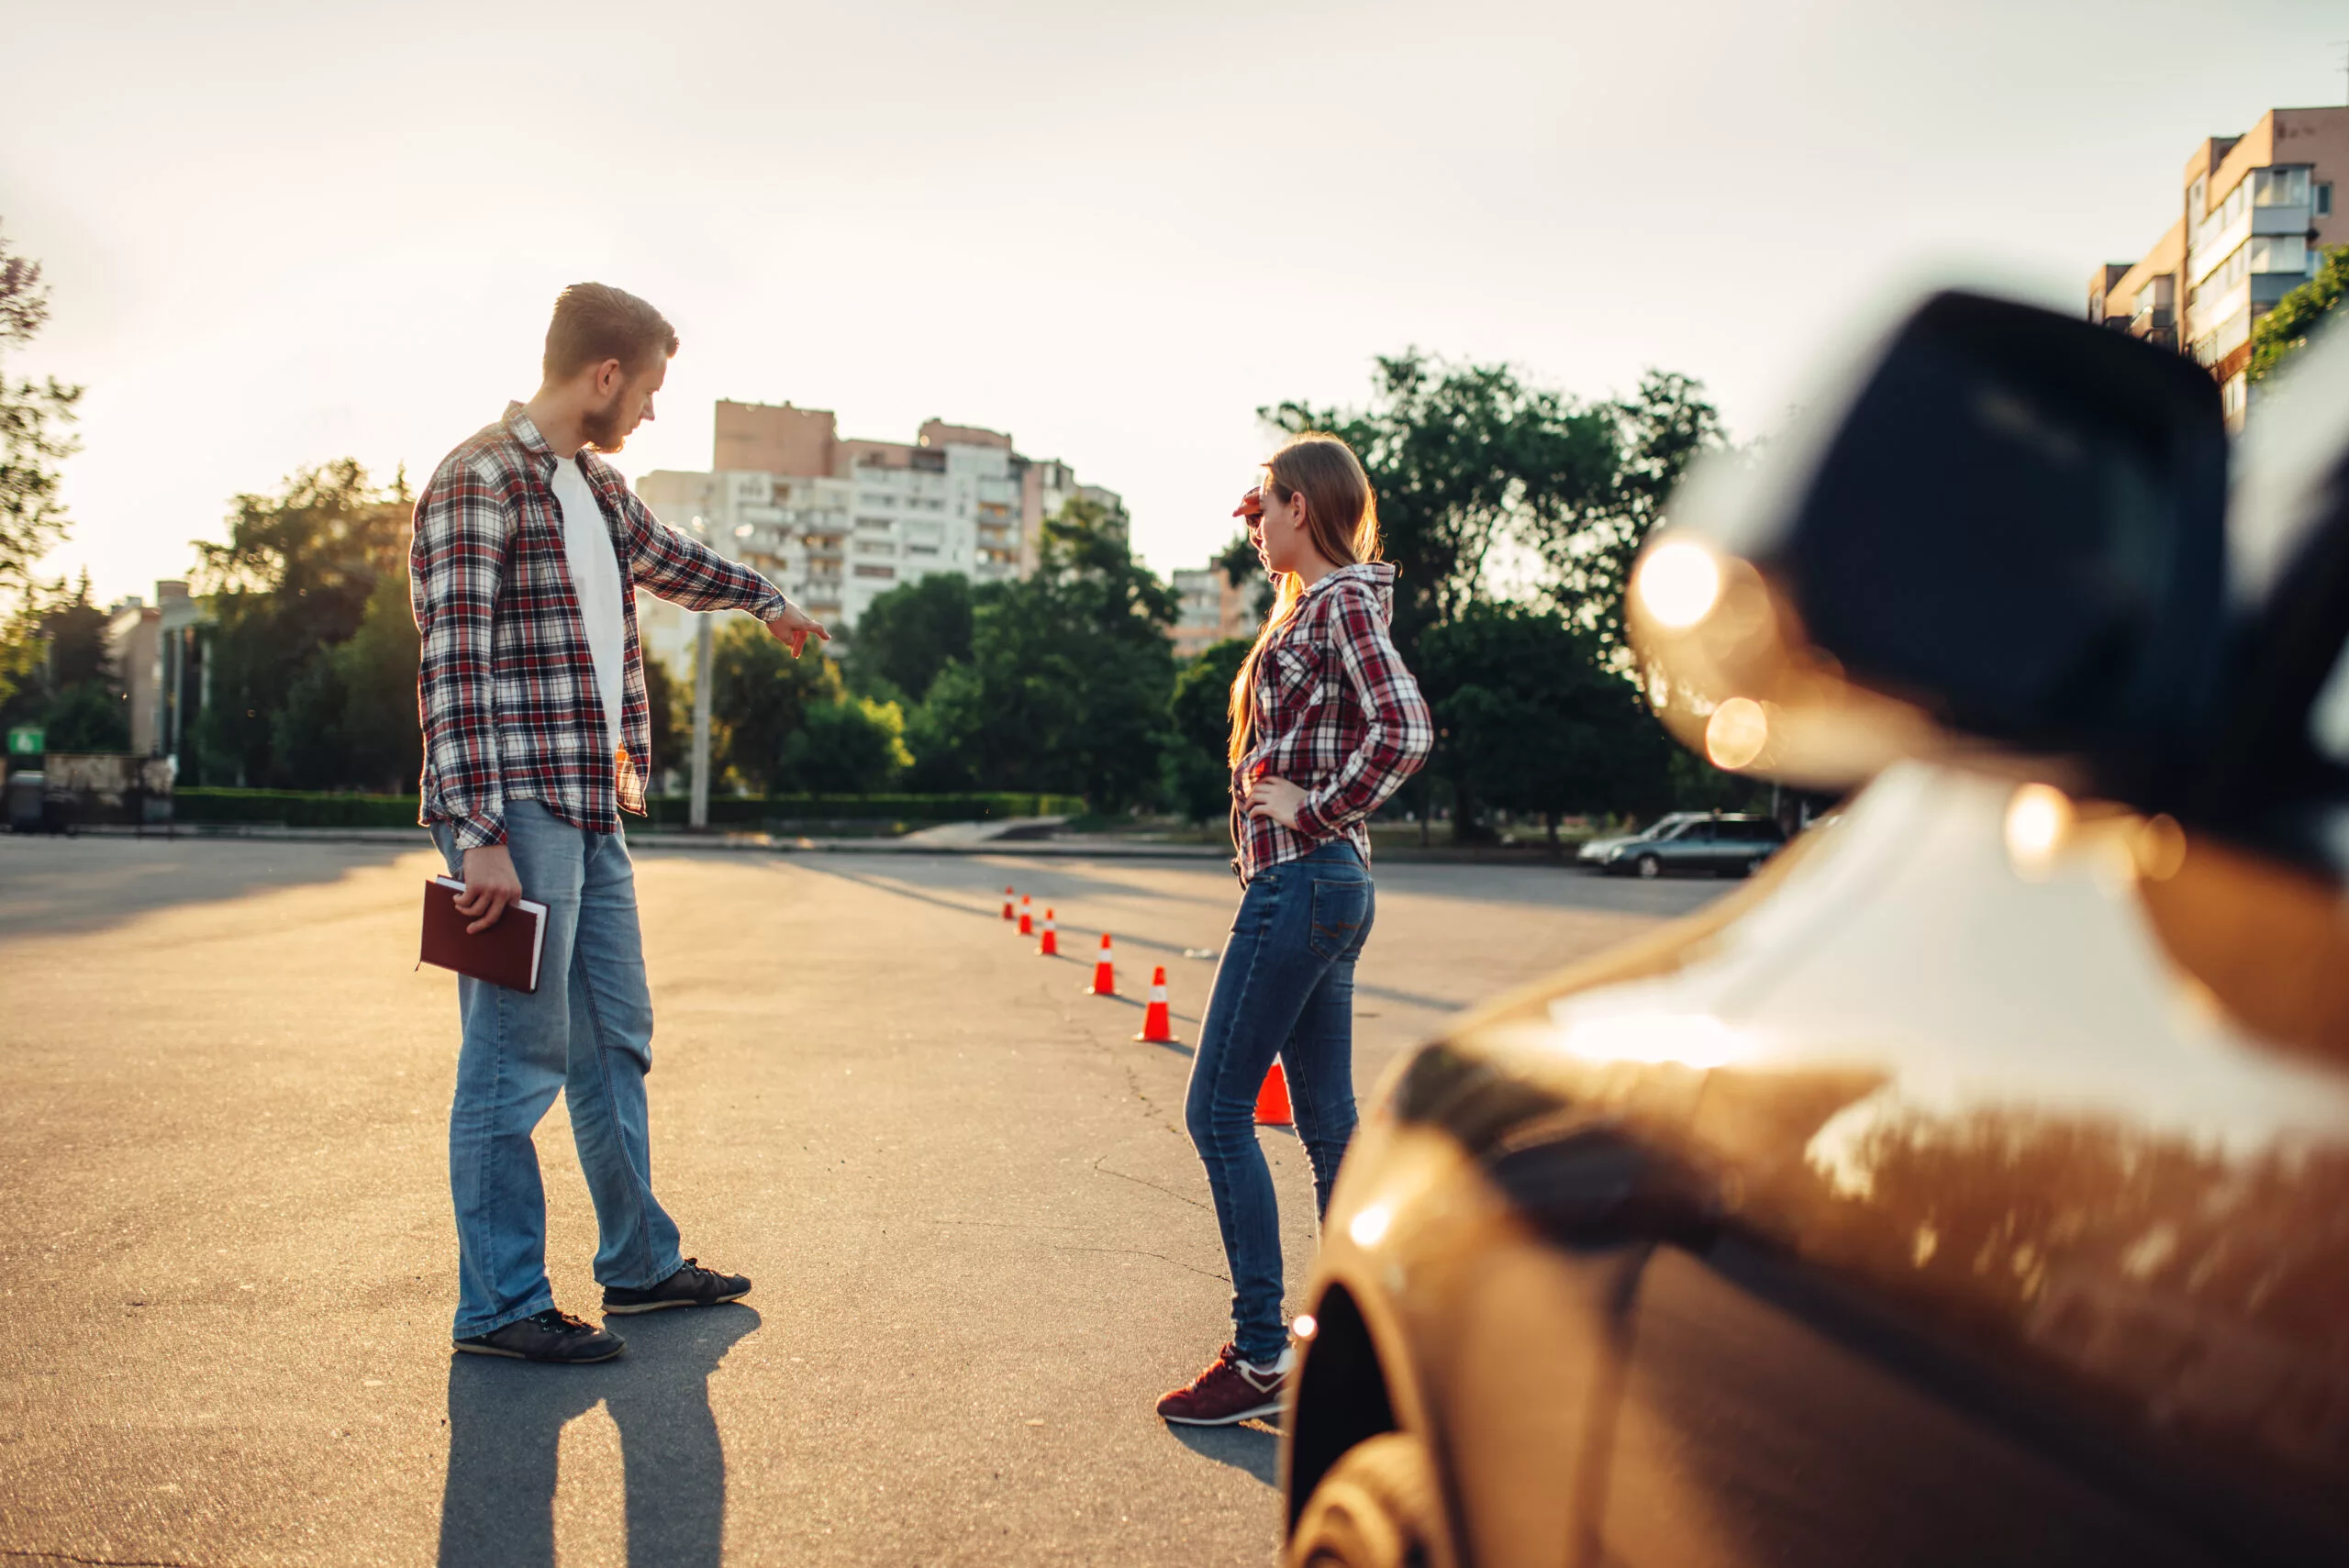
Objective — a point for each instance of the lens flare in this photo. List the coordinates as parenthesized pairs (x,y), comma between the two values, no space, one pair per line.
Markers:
(1678,584)
(2159,848)
(1303,1327)
(2039,819)
(1736,733)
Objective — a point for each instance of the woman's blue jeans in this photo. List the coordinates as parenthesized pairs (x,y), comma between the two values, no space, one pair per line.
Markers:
(1286,988)
(586,1034)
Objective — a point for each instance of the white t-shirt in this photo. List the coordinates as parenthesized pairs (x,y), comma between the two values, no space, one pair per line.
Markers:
(595,578)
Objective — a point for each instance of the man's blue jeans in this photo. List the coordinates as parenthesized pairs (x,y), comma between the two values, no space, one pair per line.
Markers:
(586,1032)
(1286,986)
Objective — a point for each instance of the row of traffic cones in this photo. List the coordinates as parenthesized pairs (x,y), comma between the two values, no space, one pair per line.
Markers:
(1157,1019)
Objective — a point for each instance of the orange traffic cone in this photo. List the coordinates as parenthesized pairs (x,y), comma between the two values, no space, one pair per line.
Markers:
(1105,971)
(1157,1028)
(1048,944)
(1027,925)
(1007,913)
(1272,1100)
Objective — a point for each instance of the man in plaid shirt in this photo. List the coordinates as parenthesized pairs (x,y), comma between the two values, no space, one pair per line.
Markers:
(536,735)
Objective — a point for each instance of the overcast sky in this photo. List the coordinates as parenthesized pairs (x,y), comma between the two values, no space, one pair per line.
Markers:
(277,234)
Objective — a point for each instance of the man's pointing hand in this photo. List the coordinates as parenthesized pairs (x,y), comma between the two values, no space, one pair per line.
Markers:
(794,627)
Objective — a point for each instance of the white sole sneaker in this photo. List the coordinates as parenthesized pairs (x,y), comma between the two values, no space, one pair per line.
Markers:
(664,1305)
(1259,1413)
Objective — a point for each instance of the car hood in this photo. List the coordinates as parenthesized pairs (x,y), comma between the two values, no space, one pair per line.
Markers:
(1979,1082)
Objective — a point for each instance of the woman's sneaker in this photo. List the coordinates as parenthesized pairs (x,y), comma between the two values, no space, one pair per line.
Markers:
(1231,1390)
(691,1285)
(548,1336)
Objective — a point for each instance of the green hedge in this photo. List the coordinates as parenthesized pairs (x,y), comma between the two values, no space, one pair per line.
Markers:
(300,809)
(294,808)
(672,810)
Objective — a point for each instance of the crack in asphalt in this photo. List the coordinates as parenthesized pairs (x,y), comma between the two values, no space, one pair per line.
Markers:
(1133,1081)
(1145,1182)
(1136,1252)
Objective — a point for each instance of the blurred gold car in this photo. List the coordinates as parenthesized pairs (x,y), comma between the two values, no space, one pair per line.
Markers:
(1971,1186)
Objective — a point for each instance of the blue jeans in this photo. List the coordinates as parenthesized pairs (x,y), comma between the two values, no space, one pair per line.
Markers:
(1286,986)
(586,1033)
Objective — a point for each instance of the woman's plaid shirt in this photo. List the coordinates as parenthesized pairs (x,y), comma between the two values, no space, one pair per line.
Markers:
(1335,714)
(507,688)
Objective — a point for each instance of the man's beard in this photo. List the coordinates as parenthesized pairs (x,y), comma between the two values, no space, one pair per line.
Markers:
(602,425)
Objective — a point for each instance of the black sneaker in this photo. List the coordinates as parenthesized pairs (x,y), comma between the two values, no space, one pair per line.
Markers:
(691,1285)
(548,1336)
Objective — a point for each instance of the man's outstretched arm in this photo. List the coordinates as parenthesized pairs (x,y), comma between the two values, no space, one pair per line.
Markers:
(686,571)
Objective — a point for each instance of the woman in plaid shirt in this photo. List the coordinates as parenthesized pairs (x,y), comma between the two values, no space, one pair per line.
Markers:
(1326,723)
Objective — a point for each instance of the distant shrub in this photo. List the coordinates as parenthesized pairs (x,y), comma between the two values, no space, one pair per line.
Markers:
(293,807)
(313,808)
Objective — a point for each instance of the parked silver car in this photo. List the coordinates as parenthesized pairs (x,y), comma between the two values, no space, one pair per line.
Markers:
(1594,851)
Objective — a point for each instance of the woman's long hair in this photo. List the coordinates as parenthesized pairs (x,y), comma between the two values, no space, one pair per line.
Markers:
(1341,516)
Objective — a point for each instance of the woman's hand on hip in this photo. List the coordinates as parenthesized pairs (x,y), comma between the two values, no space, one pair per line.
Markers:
(1276,798)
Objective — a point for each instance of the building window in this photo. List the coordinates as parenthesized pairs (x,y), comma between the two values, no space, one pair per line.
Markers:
(2279,253)
(2236,396)
(2324,199)
(2279,187)
(885,573)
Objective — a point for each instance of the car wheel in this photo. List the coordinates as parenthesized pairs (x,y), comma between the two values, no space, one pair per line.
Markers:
(1379,1506)
(1649,866)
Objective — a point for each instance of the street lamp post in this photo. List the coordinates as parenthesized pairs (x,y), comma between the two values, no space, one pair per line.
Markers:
(699,818)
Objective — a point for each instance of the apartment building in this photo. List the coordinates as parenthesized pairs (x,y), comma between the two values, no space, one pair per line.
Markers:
(157,654)
(837,522)
(1214,608)
(2255,212)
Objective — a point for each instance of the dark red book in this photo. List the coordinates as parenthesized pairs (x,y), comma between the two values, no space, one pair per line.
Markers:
(506,954)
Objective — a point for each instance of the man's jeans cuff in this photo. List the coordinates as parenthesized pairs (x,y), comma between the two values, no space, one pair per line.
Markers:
(542,1302)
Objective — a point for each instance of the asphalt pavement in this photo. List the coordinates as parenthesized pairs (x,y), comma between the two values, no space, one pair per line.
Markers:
(980,1242)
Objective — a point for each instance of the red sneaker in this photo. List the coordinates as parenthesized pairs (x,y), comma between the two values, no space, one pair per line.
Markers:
(1231,1390)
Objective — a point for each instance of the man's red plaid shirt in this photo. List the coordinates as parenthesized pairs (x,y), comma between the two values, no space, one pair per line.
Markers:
(507,688)
(1335,714)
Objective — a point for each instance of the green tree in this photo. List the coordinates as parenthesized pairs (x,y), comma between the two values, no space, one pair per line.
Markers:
(906,636)
(2283,331)
(305,731)
(1200,709)
(33,436)
(24,657)
(1069,675)
(851,746)
(1659,430)
(72,688)
(294,578)
(669,704)
(759,698)
(1532,721)
(381,747)
(75,630)
(88,717)
(1463,459)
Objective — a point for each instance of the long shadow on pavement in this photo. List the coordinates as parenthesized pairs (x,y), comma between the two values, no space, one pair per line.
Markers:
(56,887)
(506,1421)
(1253,1448)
